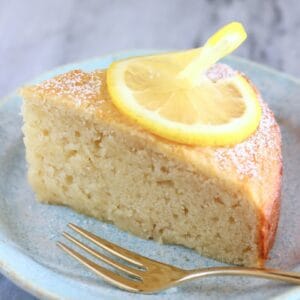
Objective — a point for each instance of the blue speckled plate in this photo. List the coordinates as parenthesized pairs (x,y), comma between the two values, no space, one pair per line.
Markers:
(29,230)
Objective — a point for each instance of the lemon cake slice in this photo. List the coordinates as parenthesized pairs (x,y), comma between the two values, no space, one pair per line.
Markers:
(83,153)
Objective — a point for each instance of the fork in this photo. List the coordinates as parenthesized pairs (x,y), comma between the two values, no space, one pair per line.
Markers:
(145,275)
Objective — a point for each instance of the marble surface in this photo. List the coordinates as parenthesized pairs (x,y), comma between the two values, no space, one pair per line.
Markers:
(39,35)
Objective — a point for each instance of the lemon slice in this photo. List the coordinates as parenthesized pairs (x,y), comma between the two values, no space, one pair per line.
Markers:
(171,96)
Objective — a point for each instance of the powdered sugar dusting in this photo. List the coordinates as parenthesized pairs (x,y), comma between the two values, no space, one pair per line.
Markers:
(219,71)
(79,86)
(246,156)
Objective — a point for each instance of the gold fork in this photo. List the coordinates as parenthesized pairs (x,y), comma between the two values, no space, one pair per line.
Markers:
(148,276)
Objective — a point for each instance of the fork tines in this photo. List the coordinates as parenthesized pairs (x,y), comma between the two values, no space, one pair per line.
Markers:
(134,272)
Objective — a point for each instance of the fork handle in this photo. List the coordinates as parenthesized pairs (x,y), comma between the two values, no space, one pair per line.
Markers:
(290,277)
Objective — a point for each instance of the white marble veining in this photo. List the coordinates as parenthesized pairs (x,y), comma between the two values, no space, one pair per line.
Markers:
(36,36)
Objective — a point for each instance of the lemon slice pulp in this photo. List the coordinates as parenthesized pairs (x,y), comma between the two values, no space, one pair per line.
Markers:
(171,95)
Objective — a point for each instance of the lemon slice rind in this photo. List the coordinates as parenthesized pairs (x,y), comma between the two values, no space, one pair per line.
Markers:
(233,132)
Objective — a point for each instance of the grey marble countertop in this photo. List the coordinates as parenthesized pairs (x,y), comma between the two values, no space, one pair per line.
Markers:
(36,36)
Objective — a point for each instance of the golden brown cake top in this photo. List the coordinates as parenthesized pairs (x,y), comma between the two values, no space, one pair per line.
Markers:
(76,86)
(250,160)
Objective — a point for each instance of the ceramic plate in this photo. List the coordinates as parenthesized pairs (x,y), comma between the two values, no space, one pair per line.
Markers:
(29,230)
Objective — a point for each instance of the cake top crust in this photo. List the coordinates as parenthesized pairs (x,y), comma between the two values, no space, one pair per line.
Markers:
(77,86)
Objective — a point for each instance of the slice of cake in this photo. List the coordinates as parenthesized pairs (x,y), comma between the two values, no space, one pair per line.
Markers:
(83,153)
